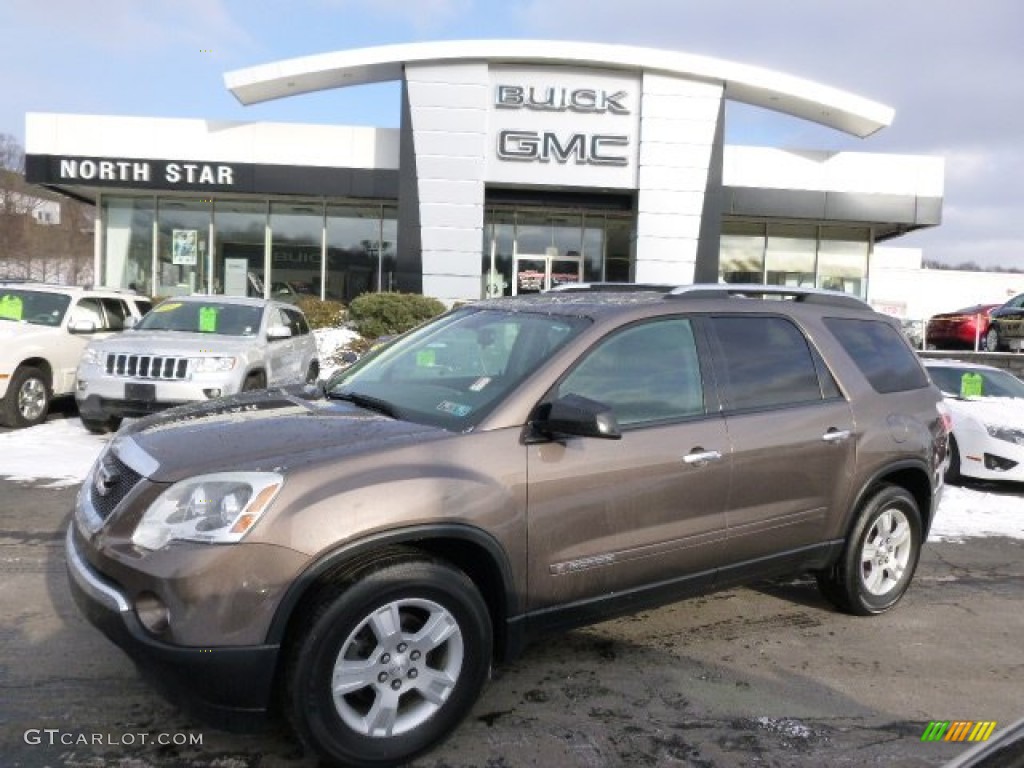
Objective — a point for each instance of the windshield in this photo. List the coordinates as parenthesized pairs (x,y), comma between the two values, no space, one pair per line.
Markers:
(217,317)
(453,371)
(32,307)
(993,383)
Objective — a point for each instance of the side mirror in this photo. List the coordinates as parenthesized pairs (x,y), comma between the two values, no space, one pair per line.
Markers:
(577,416)
(278,332)
(82,326)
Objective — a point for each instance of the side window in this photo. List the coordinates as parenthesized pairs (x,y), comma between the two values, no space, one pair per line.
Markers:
(297,322)
(881,353)
(763,362)
(143,305)
(89,310)
(646,373)
(117,311)
(277,319)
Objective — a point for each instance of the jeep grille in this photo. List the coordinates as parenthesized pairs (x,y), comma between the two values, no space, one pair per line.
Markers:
(147,366)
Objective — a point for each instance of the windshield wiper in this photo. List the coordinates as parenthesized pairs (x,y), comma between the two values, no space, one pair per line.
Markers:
(365,401)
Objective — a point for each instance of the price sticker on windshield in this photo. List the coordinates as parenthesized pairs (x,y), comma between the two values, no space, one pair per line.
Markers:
(971,385)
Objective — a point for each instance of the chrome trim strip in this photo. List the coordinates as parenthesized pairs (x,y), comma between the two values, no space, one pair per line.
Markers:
(89,581)
(130,453)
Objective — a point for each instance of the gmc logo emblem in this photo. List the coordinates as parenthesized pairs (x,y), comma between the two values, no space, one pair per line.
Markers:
(545,146)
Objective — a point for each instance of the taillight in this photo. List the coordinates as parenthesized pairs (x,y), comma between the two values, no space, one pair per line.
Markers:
(945,415)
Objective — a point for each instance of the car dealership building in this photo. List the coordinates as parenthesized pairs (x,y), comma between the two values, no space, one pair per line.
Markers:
(517,165)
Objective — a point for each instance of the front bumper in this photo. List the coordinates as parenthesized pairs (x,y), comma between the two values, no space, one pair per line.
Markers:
(230,687)
(100,396)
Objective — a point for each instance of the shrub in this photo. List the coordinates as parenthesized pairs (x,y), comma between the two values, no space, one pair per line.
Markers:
(322,313)
(383,314)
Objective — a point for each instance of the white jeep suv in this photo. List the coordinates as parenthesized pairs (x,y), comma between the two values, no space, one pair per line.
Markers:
(191,349)
(43,331)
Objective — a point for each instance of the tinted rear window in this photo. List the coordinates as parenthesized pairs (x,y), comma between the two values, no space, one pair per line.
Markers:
(880,352)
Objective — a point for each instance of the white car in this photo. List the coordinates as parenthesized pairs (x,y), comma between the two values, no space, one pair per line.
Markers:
(43,331)
(987,406)
(190,349)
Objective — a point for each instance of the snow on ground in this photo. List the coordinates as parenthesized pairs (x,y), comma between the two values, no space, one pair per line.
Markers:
(329,341)
(61,451)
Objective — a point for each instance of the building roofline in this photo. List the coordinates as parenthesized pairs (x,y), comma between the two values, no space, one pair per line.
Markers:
(806,99)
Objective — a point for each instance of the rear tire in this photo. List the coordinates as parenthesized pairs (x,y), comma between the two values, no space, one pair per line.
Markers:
(880,555)
(27,400)
(387,664)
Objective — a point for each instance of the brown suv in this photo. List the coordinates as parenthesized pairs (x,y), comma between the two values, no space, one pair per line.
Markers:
(361,554)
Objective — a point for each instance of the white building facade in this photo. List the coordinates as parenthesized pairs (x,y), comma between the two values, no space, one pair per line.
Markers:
(517,165)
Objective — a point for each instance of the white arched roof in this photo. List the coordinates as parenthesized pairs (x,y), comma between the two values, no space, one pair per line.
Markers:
(784,93)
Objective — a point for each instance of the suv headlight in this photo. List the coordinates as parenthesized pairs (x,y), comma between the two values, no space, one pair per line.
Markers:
(1008,434)
(211,364)
(215,509)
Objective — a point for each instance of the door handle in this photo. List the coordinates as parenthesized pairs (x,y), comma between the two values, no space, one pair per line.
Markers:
(698,457)
(836,435)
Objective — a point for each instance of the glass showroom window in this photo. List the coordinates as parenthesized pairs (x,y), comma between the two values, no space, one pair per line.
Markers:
(361,241)
(240,232)
(741,252)
(790,251)
(593,247)
(128,243)
(183,244)
(843,259)
(297,234)
(499,245)
(620,252)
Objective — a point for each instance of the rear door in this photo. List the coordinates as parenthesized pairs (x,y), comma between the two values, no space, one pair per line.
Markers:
(792,435)
(607,517)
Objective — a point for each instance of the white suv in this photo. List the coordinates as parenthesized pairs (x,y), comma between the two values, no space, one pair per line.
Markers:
(43,331)
(191,349)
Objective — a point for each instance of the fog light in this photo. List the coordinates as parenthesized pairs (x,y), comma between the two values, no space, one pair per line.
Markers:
(211,393)
(152,612)
(998,463)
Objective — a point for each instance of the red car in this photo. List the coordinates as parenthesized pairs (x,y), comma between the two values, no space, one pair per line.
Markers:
(959,329)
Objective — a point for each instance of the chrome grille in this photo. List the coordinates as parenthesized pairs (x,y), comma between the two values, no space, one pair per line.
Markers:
(147,367)
(112,481)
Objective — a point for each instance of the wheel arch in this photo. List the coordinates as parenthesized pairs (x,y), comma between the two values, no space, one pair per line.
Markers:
(42,364)
(913,477)
(470,549)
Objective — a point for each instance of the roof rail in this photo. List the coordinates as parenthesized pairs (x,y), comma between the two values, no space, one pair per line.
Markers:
(610,287)
(756,290)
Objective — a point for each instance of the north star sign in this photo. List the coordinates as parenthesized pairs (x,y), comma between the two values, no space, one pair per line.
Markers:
(72,169)
(545,146)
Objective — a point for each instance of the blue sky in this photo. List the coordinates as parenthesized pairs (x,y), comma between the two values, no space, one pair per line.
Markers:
(953,71)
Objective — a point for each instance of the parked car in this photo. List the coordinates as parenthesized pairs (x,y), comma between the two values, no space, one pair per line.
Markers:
(43,331)
(1006,326)
(362,553)
(192,349)
(987,405)
(965,328)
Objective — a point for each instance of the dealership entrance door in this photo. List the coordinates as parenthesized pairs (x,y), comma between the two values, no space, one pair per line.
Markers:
(536,273)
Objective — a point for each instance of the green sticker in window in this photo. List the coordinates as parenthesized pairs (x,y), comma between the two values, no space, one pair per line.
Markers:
(971,385)
(11,307)
(208,319)
(425,358)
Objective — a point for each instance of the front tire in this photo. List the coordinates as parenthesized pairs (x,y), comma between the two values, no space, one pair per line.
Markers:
(101,426)
(953,475)
(27,400)
(386,666)
(254,381)
(992,340)
(880,555)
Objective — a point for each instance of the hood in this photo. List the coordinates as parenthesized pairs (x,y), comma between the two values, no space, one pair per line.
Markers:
(270,429)
(1003,411)
(174,343)
(26,331)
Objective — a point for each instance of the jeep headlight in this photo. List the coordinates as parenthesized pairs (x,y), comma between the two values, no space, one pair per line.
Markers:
(216,509)
(92,356)
(1008,434)
(212,364)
